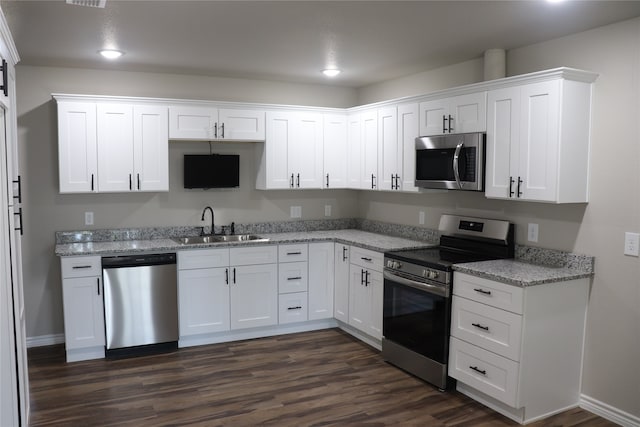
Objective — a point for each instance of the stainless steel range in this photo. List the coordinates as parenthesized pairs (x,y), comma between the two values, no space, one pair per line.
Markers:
(417,292)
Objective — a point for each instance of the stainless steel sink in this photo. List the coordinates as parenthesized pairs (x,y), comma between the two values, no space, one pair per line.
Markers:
(194,240)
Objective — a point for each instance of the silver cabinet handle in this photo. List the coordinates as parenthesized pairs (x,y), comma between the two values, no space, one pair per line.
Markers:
(456,156)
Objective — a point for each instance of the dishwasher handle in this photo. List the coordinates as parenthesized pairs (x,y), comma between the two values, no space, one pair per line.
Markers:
(138,260)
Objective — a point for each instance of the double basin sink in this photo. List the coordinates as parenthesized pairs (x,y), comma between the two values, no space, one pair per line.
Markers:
(219,238)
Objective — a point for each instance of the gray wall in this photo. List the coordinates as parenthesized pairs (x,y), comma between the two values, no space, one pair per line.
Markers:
(597,228)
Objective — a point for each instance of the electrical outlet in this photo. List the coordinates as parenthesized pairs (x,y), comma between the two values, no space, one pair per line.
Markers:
(631,244)
(88,218)
(327,210)
(421,218)
(532,232)
(296,211)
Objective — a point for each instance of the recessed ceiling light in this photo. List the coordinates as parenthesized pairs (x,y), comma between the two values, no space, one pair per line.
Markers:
(331,72)
(555,1)
(111,53)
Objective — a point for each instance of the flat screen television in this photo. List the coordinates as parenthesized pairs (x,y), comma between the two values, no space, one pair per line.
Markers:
(211,170)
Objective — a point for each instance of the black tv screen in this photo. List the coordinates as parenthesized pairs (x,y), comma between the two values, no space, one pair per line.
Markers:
(211,170)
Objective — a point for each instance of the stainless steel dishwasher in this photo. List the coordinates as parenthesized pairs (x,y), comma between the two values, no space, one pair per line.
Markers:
(140,303)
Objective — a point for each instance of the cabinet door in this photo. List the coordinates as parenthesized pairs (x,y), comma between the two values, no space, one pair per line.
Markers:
(374,286)
(254,296)
(115,148)
(194,123)
(335,151)
(151,148)
(244,125)
(77,147)
(539,139)
(370,150)
(305,152)
(359,299)
(341,282)
(433,117)
(503,133)
(83,312)
(292,277)
(469,113)
(354,156)
(407,134)
(203,300)
(321,281)
(389,152)
(276,150)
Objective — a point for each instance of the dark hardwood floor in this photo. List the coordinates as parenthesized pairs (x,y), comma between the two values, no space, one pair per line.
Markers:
(314,378)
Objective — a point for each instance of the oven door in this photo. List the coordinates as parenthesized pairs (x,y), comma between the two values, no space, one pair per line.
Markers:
(453,162)
(416,316)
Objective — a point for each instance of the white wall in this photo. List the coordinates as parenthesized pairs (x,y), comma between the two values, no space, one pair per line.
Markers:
(612,349)
(47,211)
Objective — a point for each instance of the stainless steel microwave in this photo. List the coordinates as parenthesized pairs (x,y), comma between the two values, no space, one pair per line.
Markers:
(452,162)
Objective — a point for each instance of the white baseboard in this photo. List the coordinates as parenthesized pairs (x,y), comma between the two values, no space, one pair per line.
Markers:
(44,340)
(609,412)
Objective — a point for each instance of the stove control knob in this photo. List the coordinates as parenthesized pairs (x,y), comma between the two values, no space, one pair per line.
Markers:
(433,275)
(397,265)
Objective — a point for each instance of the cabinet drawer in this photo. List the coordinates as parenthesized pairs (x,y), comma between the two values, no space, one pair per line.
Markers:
(495,294)
(367,258)
(254,255)
(293,277)
(81,266)
(293,253)
(487,372)
(493,329)
(292,308)
(203,258)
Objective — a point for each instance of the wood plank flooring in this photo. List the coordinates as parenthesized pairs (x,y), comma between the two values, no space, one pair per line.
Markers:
(321,378)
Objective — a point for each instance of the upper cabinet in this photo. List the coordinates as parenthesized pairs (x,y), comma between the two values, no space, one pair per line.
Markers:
(369,149)
(111,147)
(458,114)
(210,123)
(335,151)
(538,142)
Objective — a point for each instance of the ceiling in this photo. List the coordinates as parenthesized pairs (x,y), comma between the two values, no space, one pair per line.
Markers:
(371,41)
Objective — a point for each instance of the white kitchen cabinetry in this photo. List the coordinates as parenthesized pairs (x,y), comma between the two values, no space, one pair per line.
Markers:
(369,149)
(293,151)
(366,291)
(82,289)
(458,114)
(209,123)
(77,147)
(341,280)
(354,153)
(203,291)
(335,151)
(321,280)
(538,142)
(293,283)
(408,115)
(389,151)
(518,349)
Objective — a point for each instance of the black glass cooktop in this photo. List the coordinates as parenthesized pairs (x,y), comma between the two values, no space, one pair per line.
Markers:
(437,257)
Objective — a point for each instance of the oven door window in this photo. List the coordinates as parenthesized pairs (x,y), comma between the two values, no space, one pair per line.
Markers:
(417,320)
(436,164)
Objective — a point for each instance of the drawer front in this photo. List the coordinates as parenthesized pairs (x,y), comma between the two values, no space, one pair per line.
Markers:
(487,327)
(487,372)
(292,308)
(293,277)
(366,258)
(253,255)
(293,253)
(495,294)
(81,266)
(203,258)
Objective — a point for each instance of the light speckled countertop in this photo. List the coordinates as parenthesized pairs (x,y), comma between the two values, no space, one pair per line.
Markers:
(520,273)
(364,239)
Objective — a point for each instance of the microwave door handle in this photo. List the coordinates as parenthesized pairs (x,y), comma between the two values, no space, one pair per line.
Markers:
(456,171)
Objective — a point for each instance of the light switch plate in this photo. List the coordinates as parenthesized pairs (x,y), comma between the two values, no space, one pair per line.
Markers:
(532,232)
(327,210)
(296,211)
(421,218)
(88,218)
(632,244)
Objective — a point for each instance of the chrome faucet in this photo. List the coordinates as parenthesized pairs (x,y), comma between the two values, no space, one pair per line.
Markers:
(212,220)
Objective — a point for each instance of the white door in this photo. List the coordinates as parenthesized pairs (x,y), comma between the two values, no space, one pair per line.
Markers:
(192,123)
(305,151)
(434,118)
(254,296)
(359,299)
(321,280)
(407,134)
(539,139)
(279,133)
(389,153)
(151,148)
(469,113)
(115,148)
(77,147)
(503,134)
(341,283)
(203,298)
(83,312)
(335,151)
(369,151)
(354,155)
(245,125)
(375,286)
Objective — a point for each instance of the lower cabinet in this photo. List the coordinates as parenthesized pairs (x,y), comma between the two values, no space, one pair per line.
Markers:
(83,307)
(341,283)
(518,349)
(321,280)
(366,291)
(254,295)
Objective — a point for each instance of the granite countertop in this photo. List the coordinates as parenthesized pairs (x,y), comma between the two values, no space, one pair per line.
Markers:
(364,239)
(519,273)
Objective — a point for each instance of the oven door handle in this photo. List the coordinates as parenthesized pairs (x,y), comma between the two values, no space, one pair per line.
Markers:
(426,287)
(456,166)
